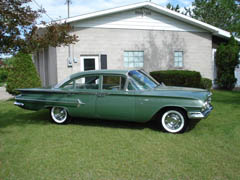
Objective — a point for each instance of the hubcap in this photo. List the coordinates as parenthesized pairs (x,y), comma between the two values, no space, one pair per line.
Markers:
(59,114)
(173,121)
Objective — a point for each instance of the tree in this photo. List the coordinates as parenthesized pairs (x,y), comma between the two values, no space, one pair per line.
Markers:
(22,74)
(227,56)
(186,11)
(173,8)
(224,14)
(19,31)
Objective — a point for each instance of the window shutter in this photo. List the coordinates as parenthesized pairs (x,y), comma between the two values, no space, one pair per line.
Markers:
(103,61)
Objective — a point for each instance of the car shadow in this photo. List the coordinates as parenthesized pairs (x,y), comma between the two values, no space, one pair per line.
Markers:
(15,118)
(114,124)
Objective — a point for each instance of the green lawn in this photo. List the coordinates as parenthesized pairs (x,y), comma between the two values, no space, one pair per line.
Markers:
(33,148)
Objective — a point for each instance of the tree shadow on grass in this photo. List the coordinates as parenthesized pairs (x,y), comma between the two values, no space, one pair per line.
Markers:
(21,118)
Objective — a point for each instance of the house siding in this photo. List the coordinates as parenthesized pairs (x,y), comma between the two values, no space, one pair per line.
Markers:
(158,47)
(133,20)
(46,64)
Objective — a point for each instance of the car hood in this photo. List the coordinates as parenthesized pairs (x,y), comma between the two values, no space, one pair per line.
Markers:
(179,92)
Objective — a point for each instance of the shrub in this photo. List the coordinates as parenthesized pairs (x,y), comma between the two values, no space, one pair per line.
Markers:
(178,78)
(226,62)
(22,74)
(3,74)
(206,83)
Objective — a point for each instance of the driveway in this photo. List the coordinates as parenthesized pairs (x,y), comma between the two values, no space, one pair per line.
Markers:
(4,95)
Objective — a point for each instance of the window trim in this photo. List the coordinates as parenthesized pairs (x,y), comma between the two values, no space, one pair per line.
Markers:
(142,51)
(79,77)
(178,67)
(124,87)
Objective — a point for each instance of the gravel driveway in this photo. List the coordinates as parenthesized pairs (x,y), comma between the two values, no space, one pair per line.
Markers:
(4,95)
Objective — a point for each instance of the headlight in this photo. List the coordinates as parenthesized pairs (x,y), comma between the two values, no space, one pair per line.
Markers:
(209,100)
(205,106)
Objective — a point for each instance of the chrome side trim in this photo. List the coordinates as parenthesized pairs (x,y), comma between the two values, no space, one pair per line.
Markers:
(200,115)
(18,104)
(21,99)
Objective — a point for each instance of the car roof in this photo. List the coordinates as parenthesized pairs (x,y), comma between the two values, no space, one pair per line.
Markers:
(119,72)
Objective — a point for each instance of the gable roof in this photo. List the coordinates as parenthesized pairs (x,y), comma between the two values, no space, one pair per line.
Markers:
(157,8)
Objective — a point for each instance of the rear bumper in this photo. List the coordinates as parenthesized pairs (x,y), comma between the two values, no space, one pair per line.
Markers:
(18,104)
(200,115)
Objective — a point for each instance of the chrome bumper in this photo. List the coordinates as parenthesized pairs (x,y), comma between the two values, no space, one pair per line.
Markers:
(18,104)
(200,115)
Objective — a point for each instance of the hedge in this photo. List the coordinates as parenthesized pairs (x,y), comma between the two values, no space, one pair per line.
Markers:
(206,83)
(178,78)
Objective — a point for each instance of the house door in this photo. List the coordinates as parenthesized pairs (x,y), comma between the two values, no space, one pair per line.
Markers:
(89,63)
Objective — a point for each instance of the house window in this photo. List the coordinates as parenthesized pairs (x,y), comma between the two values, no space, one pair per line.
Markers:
(178,59)
(133,59)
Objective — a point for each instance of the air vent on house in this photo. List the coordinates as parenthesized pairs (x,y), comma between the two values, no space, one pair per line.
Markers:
(143,11)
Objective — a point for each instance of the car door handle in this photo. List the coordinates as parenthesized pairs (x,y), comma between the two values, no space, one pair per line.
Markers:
(101,94)
(79,103)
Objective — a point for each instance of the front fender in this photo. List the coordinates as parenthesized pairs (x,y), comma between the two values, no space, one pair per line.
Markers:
(148,107)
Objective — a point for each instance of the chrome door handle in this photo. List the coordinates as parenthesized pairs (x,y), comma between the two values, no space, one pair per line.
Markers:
(79,103)
(101,94)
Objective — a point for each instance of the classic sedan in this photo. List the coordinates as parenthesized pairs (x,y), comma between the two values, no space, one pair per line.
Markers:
(119,95)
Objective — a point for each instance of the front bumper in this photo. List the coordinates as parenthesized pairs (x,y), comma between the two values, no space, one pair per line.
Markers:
(200,115)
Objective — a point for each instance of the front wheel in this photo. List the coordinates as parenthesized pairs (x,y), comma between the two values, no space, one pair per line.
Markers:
(59,115)
(174,121)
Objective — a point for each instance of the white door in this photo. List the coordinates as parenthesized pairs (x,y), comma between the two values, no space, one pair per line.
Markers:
(89,63)
(237,75)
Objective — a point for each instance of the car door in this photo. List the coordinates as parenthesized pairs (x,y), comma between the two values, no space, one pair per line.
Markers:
(114,102)
(84,94)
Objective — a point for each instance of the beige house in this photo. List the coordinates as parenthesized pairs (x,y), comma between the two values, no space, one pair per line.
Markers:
(138,36)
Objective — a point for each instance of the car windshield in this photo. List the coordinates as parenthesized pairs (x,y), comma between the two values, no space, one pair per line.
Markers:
(142,81)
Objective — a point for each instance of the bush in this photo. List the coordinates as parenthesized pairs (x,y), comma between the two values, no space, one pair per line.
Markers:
(206,83)
(22,74)
(3,74)
(178,78)
(226,62)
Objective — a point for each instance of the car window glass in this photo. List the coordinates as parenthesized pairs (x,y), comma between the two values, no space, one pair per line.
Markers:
(113,82)
(130,86)
(87,82)
(141,80)
(68,85)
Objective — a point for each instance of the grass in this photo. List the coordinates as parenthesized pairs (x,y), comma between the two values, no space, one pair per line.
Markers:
(33,148)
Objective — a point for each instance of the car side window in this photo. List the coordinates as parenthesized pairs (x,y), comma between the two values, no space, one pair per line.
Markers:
(68,85)
(111,82)
(130,86)
(87,82)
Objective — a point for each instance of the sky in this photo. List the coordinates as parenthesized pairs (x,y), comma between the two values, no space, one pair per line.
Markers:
(57,9)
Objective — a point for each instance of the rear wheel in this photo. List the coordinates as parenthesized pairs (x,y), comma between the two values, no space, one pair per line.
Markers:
(59,115)
(174,121)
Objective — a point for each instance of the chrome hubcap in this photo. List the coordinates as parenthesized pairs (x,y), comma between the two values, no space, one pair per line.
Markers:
(60,114)
(173,121)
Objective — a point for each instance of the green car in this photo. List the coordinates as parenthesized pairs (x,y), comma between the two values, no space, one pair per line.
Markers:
(119,95)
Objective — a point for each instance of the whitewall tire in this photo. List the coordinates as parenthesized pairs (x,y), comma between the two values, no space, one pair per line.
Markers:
(174,121)
(59,115)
